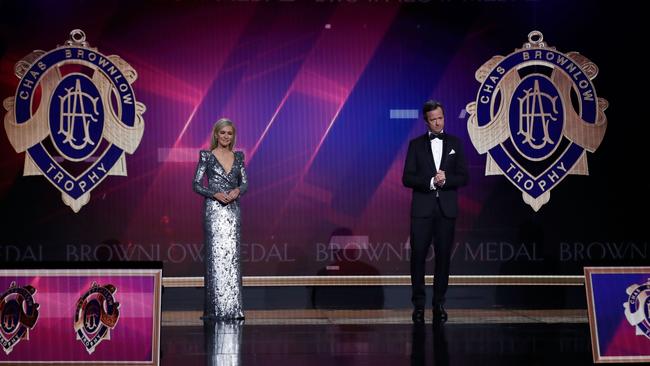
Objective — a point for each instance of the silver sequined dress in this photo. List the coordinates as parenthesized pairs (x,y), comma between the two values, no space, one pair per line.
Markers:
(223,294)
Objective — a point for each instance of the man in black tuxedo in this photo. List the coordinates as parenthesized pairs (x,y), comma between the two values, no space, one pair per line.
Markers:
(435,167)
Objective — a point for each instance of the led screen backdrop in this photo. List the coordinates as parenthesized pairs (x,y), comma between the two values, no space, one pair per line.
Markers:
(617,299)
(325,96)
(80,316)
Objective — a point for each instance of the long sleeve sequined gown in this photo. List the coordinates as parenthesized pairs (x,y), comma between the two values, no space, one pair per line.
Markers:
(223,293)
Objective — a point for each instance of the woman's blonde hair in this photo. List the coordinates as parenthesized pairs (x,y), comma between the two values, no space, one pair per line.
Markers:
(221,123)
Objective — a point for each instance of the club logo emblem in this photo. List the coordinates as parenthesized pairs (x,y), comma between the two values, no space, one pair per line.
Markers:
(535,116)
(75,116)
(96,314)
(18,314)
(637,308)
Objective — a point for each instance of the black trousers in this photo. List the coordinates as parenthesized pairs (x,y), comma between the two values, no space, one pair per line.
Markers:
(440,229)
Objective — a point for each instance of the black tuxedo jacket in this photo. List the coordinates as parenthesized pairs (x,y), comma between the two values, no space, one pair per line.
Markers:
(420,168)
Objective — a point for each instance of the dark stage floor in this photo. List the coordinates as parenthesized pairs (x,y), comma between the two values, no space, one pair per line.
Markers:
(379,337)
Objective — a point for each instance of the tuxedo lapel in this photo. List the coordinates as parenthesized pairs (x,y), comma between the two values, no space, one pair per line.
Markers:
(445,152)
(429,152)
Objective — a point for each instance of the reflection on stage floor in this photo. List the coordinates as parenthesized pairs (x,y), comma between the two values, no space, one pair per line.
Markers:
(378,337)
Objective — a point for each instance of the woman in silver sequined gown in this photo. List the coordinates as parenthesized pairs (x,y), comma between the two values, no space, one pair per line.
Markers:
(223,293)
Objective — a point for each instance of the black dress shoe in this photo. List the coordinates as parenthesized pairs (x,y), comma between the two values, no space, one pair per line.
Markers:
(439,314)
(418,316)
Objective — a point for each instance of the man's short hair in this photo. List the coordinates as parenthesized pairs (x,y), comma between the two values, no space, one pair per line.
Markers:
(429,106)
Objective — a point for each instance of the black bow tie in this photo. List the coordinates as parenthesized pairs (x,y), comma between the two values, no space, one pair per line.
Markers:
(433,136)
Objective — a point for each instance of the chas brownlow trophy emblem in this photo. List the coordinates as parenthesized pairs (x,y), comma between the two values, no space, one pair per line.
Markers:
(75,116)
(18,315)
(96,314)
(536,115)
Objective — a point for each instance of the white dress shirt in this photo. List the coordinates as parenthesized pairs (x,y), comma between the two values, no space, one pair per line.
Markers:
(436,149)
